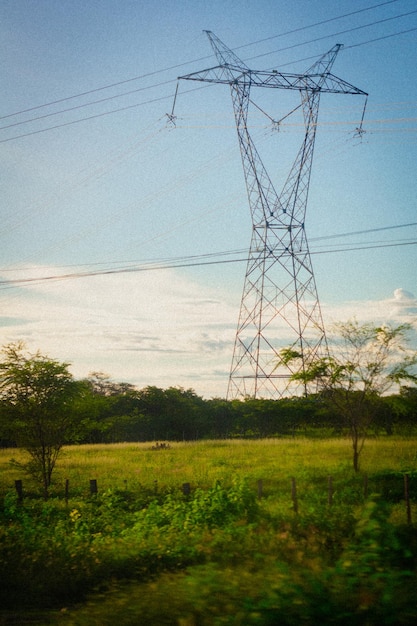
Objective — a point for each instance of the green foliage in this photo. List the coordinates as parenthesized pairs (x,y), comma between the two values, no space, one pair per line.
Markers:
(390,485)
(220,554)
(109,412)
(370,583)
(107,536)
(37,395)
(376,572)
(364,362)
(215,507)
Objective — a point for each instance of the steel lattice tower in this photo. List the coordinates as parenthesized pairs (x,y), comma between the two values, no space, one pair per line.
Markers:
(279,297)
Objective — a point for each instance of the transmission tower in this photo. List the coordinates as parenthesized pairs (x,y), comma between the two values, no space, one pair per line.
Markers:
(280,306)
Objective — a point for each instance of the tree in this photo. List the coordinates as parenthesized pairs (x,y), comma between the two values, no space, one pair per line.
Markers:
(108,410)
(37,394)
(101,384)
(174,413)
(364,363)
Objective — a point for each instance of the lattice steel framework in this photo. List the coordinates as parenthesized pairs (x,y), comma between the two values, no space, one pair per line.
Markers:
(280,306)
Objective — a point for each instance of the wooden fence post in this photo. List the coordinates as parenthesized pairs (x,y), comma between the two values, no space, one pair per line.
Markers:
(294,495)
(260,488)
(186,489)
(19,489)
(93,487)
(407,497)
(66,490)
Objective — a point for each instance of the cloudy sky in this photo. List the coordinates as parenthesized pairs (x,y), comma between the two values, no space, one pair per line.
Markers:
(123,237)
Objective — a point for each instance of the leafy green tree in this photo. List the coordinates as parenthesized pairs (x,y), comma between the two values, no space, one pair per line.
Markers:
(37,395)
(221,418)
(174,413)
(404,407)
(364,363)
(108,410)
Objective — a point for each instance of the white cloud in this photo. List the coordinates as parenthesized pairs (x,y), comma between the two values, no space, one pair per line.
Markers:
(399,308)
(147,328)
(404,304)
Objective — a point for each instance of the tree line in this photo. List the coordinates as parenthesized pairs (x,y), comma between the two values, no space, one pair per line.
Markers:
(116,412)
(105,411)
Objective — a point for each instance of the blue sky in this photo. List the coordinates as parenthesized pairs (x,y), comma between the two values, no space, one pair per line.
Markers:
(125,189)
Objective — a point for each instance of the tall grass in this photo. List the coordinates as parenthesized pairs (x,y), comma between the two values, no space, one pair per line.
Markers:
(202,463)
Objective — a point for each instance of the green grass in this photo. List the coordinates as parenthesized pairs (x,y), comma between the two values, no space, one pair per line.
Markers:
(201,463)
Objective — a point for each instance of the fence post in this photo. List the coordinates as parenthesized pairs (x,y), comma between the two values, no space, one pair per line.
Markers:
(407,497)
(294,495)
(330,491)
(93,487)
(66,490)
(260,488)
(186,489)
(19,489)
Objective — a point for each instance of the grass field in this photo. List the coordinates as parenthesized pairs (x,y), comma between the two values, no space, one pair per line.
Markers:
(232,551)
(201,463)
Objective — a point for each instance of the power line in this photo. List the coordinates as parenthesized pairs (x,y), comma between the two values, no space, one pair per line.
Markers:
(356,45)
(175,265)
(331,19)
(178,65)
(87,104)
(364,43)
(167,97)
(97,89)
(363,232)
(341,32)
(368,247)
(97,115)
(179,264)
(290,125)
(223,253)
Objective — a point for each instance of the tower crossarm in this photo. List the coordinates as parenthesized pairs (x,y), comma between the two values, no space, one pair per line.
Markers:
(232,75)
(233,71)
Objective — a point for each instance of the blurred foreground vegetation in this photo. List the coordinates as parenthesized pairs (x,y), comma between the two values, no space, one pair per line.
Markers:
(144,551)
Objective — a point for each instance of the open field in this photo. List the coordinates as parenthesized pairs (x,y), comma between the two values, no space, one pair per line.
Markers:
(232,551)
(201,463)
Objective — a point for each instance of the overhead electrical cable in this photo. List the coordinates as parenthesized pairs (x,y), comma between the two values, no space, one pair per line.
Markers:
(300,28)
(178,65)
(364,43)
(341,32)
(207,259)
(120,109)
(97,115)
(356,45)
(86,93)
(169,97)
(176,265)
(87,104)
